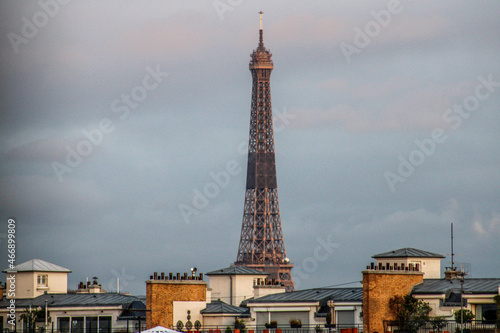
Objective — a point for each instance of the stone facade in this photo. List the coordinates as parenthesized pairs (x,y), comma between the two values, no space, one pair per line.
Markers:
(378,288)
(161,295)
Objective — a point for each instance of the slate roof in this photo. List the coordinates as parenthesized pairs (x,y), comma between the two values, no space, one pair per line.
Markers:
(313,295)
(68,300)
(37,265)
(129,312)
(471,286)
(236,270)
(408,252)
(218,307)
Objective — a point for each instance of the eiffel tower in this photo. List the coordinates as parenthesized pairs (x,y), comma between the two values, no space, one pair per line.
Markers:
(261,242)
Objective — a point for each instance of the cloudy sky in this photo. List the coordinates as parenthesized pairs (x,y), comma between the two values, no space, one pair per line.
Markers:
(118,116)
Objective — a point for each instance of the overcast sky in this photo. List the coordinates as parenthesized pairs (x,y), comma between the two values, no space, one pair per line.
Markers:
(117,117)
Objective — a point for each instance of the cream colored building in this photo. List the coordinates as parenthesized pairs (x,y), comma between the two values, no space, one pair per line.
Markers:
(445,297)
(310,306)
(234,284)
(402,259)
(34,278)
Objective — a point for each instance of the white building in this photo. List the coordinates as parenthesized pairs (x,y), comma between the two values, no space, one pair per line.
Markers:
(310,306)
(34,278)
(41,285)
(445,297)
(235,284)
(427,262)
(79,313)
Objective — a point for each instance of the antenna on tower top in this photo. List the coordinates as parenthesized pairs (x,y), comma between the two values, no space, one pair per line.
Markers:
(260,13)
(452,254)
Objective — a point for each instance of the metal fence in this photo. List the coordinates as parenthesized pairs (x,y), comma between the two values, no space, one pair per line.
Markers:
(222,329)
(478,326)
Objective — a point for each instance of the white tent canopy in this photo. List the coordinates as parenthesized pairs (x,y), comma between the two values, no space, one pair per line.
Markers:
(159,329)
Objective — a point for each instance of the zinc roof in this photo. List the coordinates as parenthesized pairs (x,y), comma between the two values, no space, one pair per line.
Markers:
(313,295)
(68,300)
(408,252)
(37,265)
(218,307)
(237,270)
(471,286)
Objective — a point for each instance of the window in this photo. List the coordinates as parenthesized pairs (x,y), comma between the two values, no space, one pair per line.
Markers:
(84,324)
(63,324)
(42,280)
(345,318)
(486,313)
(91,325)
(77,324)
(104,324)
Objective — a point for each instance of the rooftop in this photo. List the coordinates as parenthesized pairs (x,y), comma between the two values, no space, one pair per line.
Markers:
(237,270)
(37,265)
(218,307)
(408,252)
(313,295)
(471,286)
(66,300)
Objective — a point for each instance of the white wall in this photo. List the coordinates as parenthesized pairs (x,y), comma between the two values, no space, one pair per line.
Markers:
(219,322)
(26,284)
(181,308)
(431,267)
(261,291)
(232,289)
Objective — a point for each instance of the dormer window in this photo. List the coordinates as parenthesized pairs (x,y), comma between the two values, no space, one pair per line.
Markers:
(42,280)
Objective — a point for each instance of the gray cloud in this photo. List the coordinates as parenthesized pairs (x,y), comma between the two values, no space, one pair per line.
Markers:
(117,211)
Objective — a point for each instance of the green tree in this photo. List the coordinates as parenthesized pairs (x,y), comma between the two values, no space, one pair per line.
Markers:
(240,324)
(295,323)
(497,300)
(410,313)
(468,316)
(180,325)
(30,316)
(228,329)
(438,323)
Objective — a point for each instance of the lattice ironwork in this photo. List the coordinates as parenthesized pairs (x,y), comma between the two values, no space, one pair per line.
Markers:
(261,241)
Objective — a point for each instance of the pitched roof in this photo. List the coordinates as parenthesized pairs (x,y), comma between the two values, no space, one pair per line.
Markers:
(159,329)
(408,252)
(313,295)
(237,270)
(67,300)
(37,265)
(471,286)
(218,307)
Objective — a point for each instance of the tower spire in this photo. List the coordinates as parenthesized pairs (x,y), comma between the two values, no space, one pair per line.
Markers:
(261,242)
(261,32)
